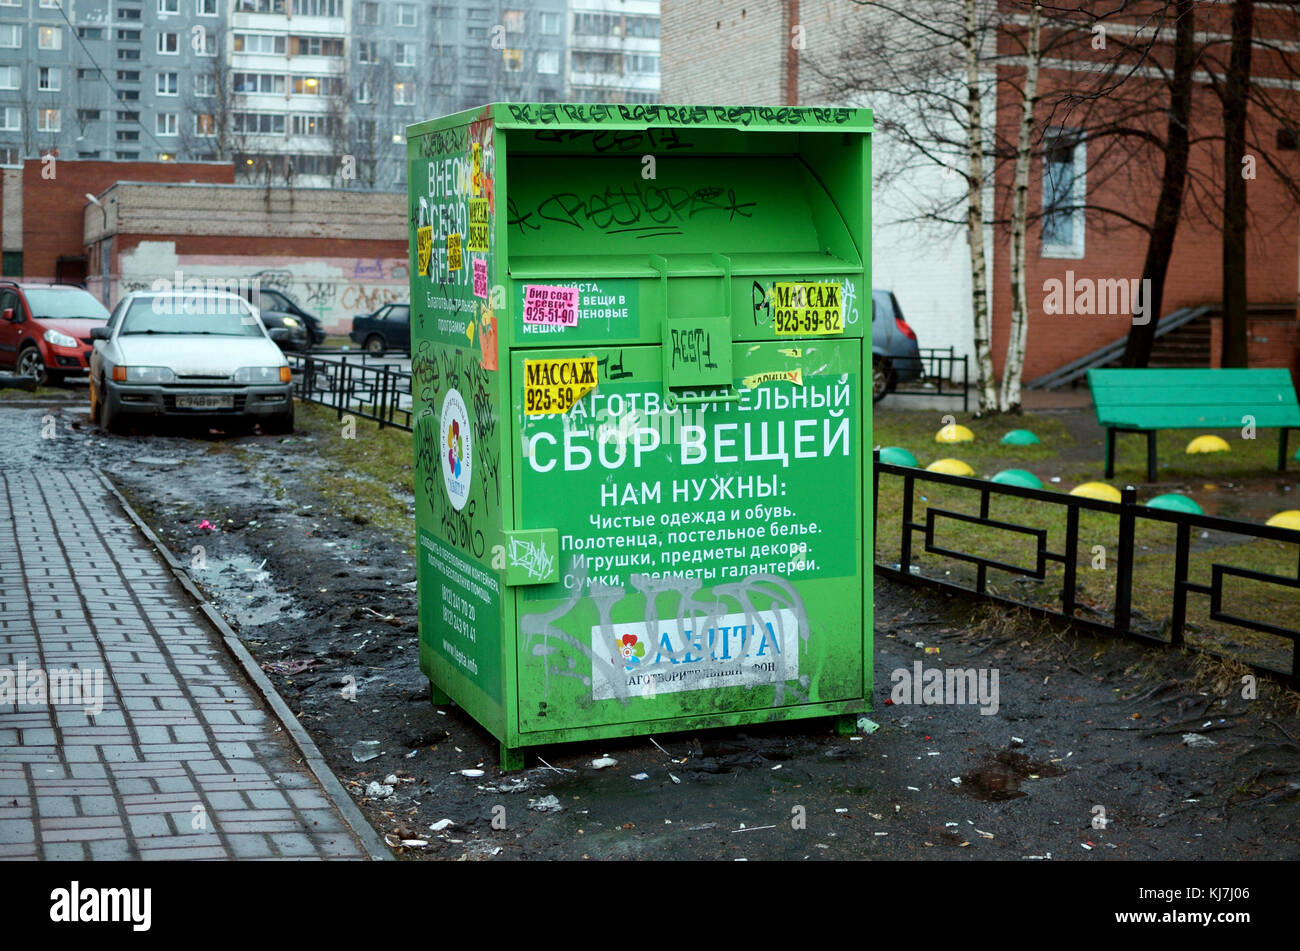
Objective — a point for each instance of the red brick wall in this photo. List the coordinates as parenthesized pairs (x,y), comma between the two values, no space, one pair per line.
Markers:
(53,207)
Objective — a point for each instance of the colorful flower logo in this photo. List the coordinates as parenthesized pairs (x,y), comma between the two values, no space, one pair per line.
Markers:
(455,453)
(631,649)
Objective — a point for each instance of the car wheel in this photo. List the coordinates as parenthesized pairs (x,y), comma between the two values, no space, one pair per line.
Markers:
(375,345)
(109,420)
(281,425)
(31,363)
(882,378)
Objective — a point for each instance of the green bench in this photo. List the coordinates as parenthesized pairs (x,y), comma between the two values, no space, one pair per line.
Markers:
(1145,401)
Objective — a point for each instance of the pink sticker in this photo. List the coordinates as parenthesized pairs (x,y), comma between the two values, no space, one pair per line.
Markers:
(555,306)
(480,278)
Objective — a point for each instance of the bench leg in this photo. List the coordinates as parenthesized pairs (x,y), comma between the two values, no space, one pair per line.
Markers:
(1110,452)
(1151,455)
(1283,440)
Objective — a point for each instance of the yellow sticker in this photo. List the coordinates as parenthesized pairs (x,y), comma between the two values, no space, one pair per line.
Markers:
(478,224)
(774,376)
(553,386)
(453,252)
(424,247)
(476,163)
(807,308)
(795,352)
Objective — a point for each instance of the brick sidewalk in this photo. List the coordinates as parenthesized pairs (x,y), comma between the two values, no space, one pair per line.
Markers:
(183,762)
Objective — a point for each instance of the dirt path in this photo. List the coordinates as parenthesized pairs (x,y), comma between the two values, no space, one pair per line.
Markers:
(327,604)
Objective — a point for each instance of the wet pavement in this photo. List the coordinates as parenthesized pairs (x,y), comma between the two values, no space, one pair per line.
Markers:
(1087,756)
(130,732)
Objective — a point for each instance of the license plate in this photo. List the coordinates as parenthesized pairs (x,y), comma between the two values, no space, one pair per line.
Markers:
(205,402)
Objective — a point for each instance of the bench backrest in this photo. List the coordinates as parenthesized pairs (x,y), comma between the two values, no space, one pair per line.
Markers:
(1193,398)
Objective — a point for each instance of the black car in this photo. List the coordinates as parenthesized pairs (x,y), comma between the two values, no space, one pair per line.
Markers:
(388,328)
(278,309)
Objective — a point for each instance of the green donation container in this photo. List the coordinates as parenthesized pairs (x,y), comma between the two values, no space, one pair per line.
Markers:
(640,337)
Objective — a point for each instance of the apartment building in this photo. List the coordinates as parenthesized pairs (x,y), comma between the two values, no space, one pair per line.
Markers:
(613,51)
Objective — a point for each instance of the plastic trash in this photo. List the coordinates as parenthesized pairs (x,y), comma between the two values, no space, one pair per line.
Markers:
(867,725)
(365,750)
(603,761)
(545,804)
(1198,741)
(377,790)
(442,824)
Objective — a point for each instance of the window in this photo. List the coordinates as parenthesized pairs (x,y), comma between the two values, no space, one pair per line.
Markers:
(551,24)
(169,6)
(206,8)
(127,54)
(367,51)
(317,85)
(50,4)
(128,36)
(641,63)
(315,46)
(513,60)
(123,116)
(406,14)
(260,6)
(476,32)
(272,83)
(207,45)
(513,20)
(586,61)
(169,43)
(318,8)
(479,13)
(128,13)
(167,84)
(11,77)
(259,43)
(205,125)
(128,75)
(128,135)
(90,32)
(259,123)
(404,54)
(1063,194)
(12,118)
(404,94)
(49,37)
(165,123)
(369,13)
(364,92)
(548,62)
(643,26)
(365,129)
(11,36)
(9,157)
(128,95)
(318,125)
(47,79)
(47,120)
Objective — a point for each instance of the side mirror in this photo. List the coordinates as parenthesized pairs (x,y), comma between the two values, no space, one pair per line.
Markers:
(100,333)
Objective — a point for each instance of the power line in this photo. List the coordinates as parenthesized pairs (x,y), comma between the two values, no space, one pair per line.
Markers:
(117,97)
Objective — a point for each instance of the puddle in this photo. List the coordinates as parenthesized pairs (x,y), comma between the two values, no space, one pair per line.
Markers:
(244,588)
(1000,778)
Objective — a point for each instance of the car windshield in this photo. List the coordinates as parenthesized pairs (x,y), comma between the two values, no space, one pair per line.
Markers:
(64,304)
(219,317)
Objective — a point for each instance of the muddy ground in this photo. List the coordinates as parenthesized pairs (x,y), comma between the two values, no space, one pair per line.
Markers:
(1083,724)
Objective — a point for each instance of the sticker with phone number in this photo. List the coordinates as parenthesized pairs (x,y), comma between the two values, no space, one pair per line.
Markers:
(553,386)
(807,309)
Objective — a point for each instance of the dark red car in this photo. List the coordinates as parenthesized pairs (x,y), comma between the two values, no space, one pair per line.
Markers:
(45,329)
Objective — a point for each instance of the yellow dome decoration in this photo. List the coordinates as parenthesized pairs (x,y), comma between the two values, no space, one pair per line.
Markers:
(954,432)
(1208,444)
(950,467)
(1288,519)
(1097,490)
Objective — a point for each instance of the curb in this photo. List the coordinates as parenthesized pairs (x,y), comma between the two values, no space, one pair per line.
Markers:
(330,785)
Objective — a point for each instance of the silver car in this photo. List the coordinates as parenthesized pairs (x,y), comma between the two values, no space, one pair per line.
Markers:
(201,354)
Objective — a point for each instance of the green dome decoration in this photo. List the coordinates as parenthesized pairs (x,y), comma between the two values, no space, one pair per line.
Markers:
(1020,477)
(1175,502)
(1020,437)
(897,456)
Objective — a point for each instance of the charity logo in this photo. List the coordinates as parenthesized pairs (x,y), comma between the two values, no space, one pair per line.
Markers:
(631,650)
(457,450)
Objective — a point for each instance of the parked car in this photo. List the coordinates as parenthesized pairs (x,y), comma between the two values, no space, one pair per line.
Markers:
(895,353)
(388,328)
(279,309)
(203,355)
(45,329)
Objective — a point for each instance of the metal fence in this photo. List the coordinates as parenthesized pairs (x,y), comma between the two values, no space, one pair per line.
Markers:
(939,366)
(350,385)
(1129,517)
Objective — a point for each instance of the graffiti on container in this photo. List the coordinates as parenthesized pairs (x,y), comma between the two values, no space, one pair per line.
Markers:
(532,557)
(611,368)
(682,115)
(652,210)
(617,140)
(783,622)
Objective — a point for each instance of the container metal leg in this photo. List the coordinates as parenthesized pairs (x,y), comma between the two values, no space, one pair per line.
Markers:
(512,758)
(436,695)
(846,725)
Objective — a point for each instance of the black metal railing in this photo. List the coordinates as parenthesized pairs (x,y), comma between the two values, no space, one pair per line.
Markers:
(937,365)
(1052,507)
(348,385)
